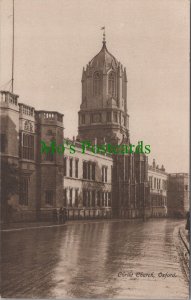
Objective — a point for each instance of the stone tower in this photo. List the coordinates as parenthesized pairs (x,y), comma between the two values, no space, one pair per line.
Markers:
(103,111)
(103,115)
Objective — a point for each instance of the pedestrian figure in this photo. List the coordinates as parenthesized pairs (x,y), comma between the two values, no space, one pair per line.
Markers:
(188,221)
(54,215)
(60,215)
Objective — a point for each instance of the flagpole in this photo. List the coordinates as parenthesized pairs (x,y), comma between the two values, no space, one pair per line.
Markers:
(13,45)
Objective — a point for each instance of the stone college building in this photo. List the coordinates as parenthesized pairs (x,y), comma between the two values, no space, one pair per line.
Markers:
(88,185)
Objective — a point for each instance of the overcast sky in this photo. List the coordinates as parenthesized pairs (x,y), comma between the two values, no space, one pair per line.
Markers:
(54,39)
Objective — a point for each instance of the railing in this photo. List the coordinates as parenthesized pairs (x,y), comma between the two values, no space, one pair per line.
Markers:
(50,115)
(6,97)
(178,174)
(25,109)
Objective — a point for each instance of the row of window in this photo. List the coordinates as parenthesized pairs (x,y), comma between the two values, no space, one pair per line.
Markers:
(158,201)
(156,183)
(97,118)
(91,198)
(24,193)
(71,169)
(89,170)
(71,196)
(27,145)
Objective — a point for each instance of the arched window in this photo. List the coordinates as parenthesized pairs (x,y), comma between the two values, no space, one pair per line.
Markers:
(97,84)
(112,84)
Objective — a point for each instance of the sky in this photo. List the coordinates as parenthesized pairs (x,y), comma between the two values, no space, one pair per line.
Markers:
(54,39)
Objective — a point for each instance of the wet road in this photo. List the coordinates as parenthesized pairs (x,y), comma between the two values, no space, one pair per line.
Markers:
(94,260)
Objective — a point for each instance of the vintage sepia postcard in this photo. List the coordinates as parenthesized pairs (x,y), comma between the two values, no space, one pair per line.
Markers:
(94,150)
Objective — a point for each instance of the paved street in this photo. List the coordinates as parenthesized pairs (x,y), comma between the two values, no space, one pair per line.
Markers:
(100,260)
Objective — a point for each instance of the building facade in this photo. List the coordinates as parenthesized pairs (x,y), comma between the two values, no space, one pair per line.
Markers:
(178,194)
(104,116)
(88,185)
(80,182)
(40,182)
(158,180)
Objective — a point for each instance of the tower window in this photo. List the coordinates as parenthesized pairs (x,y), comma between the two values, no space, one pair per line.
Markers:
(108,116)
(91,118)
(83,119)
(112,87)
(97,84)
(96,118)
(115,117)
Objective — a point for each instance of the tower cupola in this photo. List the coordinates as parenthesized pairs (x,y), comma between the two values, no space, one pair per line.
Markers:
(103,111)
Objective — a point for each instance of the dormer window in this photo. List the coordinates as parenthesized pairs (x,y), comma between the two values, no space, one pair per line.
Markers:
(97,84)
(112,84)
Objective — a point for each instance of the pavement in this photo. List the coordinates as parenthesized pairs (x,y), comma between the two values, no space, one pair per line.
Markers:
(94,261)
(35,225)
(184,249)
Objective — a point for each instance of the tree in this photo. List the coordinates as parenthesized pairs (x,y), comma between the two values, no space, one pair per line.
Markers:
(9,187)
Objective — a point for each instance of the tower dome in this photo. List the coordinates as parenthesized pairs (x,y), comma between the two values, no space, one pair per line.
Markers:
(103,110)
(104,60)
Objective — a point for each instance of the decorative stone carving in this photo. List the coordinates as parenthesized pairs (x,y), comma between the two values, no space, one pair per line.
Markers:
(28,126)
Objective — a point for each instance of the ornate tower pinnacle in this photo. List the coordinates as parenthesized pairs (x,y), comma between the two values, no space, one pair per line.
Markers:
(103,111)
